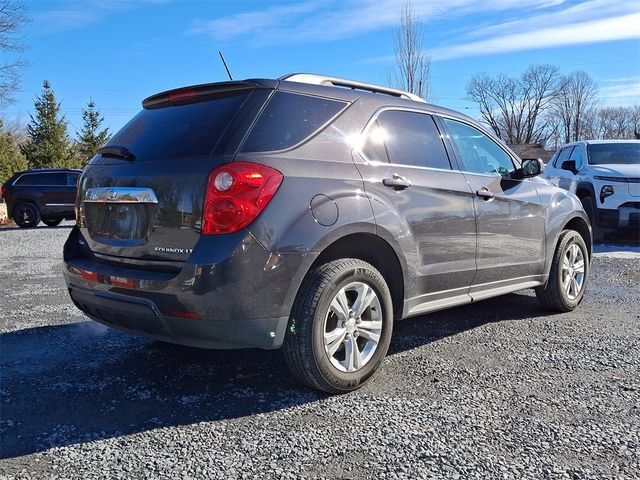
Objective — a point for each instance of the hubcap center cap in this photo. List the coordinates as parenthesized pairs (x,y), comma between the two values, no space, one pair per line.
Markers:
(351,325)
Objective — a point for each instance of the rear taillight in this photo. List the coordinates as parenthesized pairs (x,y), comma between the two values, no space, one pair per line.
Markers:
(3,192)
(236,194)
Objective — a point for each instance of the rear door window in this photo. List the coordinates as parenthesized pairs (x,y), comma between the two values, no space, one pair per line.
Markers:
(410,138)
(179,131)
(288,119)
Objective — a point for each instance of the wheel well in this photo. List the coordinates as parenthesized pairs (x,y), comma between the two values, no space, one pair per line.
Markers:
(580,226)
(17,203)
(583,192)
(374,250)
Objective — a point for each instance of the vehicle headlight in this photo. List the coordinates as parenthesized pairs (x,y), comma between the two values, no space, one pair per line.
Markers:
(606,191)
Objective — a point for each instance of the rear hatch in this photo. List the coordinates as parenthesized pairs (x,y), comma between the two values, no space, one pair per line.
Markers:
(141,198)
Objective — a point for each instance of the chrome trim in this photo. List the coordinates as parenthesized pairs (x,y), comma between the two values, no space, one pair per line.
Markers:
(60,204)
(119,195)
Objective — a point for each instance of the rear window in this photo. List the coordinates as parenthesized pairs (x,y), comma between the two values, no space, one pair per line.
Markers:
(288,119)
(179,131)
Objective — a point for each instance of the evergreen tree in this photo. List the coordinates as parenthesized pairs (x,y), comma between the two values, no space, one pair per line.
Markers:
(91,137)
(48,144)
(11,159)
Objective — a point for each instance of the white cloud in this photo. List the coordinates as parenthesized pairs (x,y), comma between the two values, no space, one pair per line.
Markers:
(74,15)
(623,91)
(622,27)
(315,21)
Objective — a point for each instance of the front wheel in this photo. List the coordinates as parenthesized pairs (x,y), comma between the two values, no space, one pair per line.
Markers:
(52,222)
(589,208)
(340,327)
(569,274)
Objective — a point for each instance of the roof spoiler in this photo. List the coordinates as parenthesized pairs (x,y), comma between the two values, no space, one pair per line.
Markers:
(195,93)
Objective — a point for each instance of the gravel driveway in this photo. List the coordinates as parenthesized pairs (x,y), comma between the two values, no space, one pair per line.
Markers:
(498,389)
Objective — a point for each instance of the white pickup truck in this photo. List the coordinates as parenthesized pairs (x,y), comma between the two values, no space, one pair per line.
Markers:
(605,175)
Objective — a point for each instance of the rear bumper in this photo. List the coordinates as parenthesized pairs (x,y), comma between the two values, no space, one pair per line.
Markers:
(131,315)
(232,293)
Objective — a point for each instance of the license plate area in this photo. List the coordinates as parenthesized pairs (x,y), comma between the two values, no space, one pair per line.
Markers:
(119,223)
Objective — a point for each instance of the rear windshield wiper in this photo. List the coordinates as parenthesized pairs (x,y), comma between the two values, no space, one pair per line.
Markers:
(115,151)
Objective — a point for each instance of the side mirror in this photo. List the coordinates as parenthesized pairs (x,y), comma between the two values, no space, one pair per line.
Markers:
(531,167)
(569,165)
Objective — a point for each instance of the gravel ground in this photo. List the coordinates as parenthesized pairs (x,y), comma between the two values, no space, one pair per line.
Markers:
(499,389)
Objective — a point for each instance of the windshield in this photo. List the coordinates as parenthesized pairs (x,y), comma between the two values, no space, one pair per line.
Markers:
(614,153)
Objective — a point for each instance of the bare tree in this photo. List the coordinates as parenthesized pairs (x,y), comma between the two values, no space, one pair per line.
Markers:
(617,123)
(515,108)
(412,70)
(12,19)
(574,105)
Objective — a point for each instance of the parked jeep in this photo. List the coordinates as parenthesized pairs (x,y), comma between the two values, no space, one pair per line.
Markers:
(46,194)
(311,213)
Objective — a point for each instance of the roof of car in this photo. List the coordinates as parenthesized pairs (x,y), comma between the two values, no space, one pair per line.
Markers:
(312,84)
(597,142)
(50,170)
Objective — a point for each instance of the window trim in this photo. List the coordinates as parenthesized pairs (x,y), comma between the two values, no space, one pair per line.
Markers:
(434,115)
(15,182)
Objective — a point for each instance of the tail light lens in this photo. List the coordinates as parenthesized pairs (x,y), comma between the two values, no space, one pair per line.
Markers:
(236,194)
(3,192)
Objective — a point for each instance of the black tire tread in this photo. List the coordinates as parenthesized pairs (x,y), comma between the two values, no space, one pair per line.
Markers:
(589,207)
(550,295)
(298,354)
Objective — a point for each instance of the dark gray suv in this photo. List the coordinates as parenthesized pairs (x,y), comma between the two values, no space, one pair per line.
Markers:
(311,213)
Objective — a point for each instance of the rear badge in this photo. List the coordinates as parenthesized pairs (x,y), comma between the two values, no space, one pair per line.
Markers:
(172,250)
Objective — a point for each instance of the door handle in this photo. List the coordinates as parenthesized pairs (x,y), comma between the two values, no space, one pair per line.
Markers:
(485,193)
(397,182)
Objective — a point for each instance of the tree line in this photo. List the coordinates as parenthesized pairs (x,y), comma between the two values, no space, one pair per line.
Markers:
(544,106)
(46,142)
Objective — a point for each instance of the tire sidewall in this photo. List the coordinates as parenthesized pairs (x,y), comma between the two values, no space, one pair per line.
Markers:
(344,380)
(572,238)
(18,218)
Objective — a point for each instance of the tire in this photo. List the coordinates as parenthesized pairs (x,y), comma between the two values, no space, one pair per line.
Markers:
(52,222)
(317,325)
(589,207)
(559,294)
(26,215)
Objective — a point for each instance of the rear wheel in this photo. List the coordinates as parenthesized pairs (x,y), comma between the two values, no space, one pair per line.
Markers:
(26,215)
(589,207)
(52,222)
(340,327)
(569,274)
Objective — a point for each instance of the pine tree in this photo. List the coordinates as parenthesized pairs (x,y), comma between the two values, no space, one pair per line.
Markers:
(48,144)
(91,137)
(11,159)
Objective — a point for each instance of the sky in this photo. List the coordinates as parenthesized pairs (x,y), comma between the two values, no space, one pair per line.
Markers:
(118,52)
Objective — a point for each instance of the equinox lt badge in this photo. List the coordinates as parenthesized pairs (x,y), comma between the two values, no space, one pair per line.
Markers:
(172,250)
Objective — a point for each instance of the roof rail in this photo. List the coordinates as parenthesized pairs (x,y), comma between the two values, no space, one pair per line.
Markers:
(341,82)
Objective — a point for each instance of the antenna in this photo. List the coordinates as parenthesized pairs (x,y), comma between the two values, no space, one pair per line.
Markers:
(225,65)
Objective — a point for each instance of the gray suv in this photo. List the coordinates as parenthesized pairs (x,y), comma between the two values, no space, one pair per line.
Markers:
(311,213)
